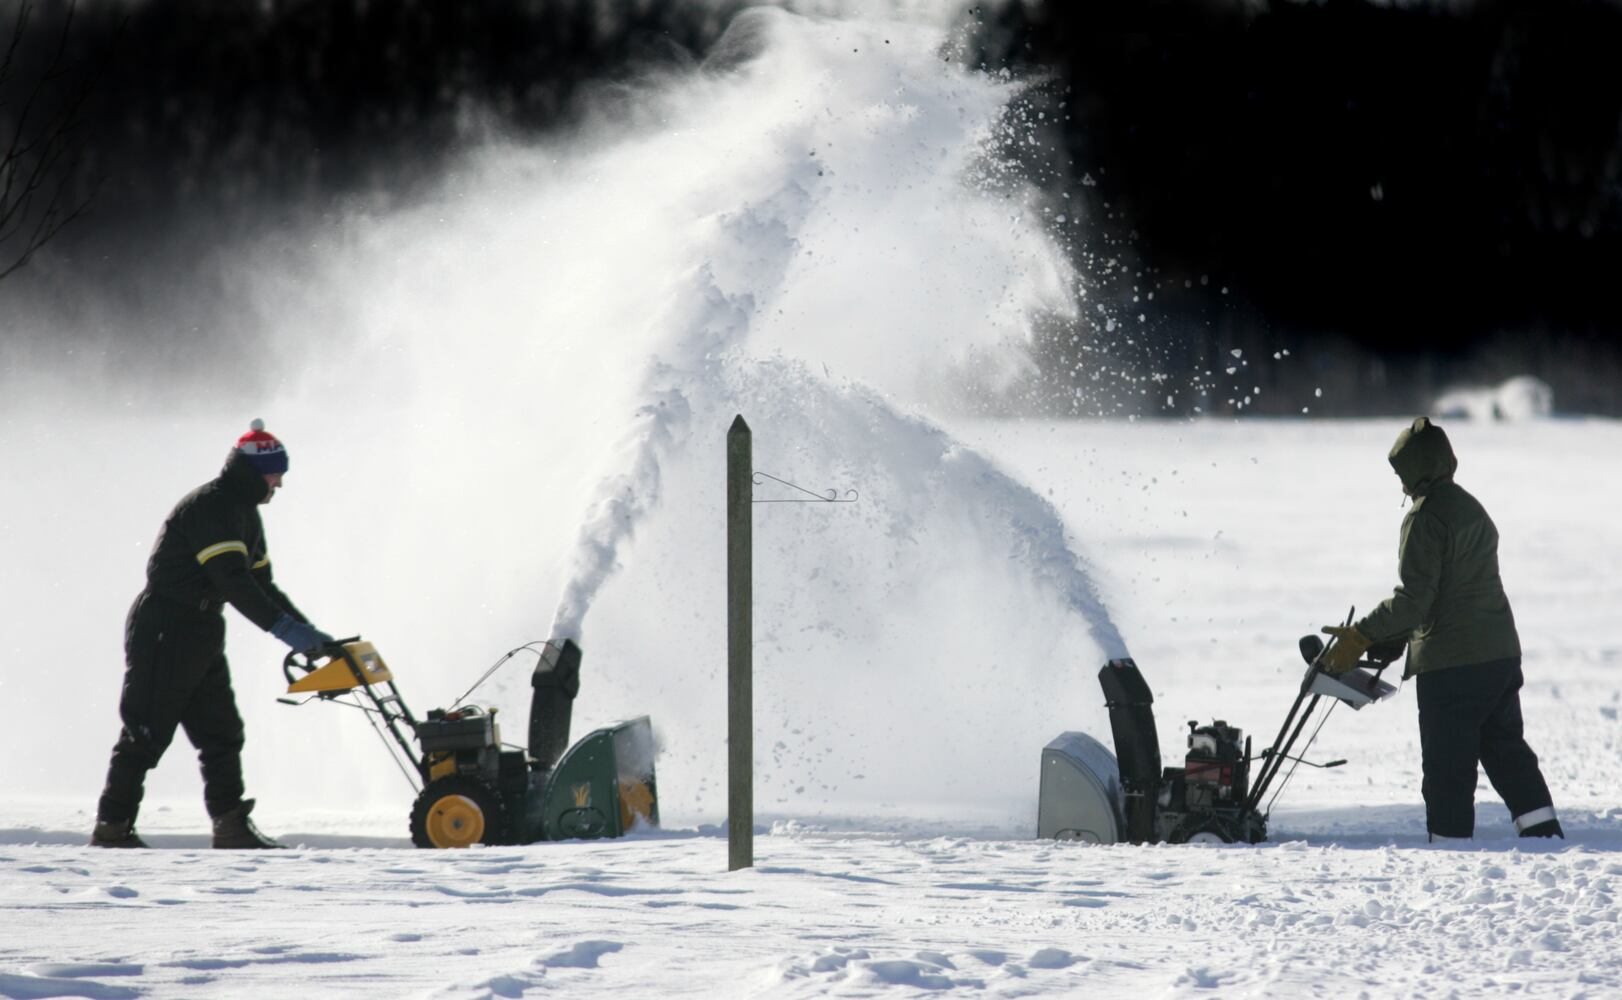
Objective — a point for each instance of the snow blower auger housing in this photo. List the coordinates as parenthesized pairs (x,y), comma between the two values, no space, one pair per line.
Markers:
(1087,793)
(474,789)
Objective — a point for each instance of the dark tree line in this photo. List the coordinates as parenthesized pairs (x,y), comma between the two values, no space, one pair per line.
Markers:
(229,104)
(230,120)
(1375,200)
(43,91)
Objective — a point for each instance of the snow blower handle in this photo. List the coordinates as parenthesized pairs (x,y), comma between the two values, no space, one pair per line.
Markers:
(1313,649)
(302,661)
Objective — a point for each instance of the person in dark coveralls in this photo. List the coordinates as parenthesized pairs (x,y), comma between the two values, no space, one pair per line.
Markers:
(210,552)
(1462,645)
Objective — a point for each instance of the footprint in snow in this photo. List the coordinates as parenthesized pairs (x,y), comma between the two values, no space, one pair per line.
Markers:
(456,892)
(1202,978)
(930,970)
(581,955)
(1053,958)
(905,972)
(510,868)
(62,986)
(208,964)
(600,890)
(495,986)
(837,959)
(82,970)
(313,958)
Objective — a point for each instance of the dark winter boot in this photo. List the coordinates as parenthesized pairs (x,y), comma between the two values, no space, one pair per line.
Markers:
(115,833)
(1547,828)
(235,831)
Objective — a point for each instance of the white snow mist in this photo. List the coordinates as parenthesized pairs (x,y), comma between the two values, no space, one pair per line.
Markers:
(514,400)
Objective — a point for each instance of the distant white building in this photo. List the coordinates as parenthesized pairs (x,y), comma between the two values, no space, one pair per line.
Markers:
(1523,397)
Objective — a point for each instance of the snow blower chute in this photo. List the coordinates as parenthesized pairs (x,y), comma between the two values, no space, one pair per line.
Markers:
(474,789)
(1090,794)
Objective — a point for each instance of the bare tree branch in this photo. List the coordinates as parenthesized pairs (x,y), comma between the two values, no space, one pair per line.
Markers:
(39,142)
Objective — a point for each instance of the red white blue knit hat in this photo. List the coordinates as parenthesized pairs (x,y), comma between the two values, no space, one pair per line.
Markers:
(263,450)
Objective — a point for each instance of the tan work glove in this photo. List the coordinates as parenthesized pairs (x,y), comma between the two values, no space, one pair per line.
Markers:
(1348,647)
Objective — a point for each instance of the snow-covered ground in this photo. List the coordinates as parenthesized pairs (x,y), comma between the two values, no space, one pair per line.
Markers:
(505,409)
(818,915)
(1218,543)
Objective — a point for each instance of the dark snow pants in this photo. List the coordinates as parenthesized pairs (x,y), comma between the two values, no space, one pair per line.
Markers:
(1472,714)
(175,675)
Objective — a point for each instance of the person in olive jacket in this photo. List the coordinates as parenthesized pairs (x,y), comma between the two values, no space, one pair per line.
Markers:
(1451,609)
(210,552)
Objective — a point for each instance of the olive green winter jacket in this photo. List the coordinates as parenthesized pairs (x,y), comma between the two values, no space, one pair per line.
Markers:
(1450,605)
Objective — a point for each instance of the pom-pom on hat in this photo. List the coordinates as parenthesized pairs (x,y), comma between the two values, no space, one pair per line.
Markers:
(263,450)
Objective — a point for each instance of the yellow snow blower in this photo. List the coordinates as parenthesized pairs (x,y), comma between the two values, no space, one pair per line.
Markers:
(474,789)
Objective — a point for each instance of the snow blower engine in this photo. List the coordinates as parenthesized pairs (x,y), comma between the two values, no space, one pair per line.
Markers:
(1087,793)
(474,789)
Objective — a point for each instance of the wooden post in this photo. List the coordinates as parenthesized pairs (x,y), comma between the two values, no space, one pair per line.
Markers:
(740,644)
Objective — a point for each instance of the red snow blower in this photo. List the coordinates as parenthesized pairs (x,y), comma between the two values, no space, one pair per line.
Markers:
(1088,793)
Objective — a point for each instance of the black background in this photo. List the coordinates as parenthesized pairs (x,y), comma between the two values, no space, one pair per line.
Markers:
(1406,194)
(1402,197)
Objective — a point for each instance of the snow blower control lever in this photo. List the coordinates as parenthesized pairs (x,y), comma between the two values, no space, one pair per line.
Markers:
(1087,793)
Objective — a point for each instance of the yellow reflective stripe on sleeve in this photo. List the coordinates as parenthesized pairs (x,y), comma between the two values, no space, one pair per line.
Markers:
(261,564)
(220,549)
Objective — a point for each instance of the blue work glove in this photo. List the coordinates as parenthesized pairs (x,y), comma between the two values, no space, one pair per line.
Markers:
(301,636)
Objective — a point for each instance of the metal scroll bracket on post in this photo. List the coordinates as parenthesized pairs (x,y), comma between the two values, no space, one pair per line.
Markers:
(741,480)
(811,496)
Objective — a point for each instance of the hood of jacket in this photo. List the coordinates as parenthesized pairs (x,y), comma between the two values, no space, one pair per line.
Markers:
(1422,457)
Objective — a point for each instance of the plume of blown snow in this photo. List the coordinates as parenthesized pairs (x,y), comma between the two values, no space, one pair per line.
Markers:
(515,419)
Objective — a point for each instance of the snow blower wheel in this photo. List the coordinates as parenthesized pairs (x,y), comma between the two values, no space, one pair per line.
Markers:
(1208,830)
(456,812)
